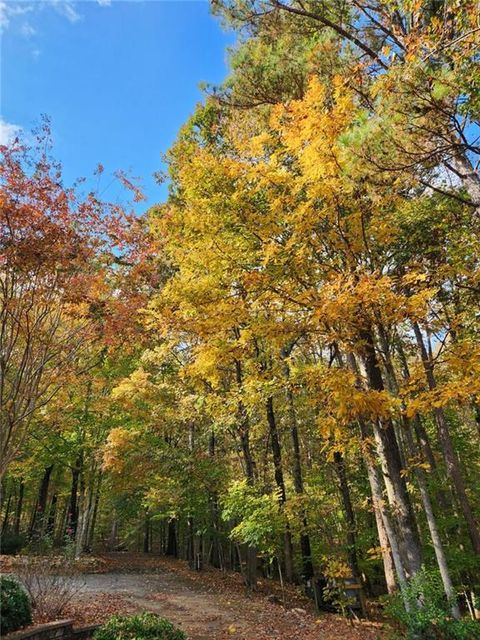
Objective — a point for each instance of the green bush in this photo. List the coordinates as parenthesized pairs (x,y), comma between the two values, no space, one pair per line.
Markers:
(15,609)
(11,543)
(147,626)
(429,616)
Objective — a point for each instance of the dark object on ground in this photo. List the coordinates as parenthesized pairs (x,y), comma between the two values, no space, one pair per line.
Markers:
(15,609)
(11,543)
(147,626)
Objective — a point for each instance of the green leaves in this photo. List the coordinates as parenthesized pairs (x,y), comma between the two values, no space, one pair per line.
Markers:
(260,519)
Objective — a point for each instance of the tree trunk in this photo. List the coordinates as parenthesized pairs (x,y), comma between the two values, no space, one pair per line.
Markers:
(305,548)
(93,520)
(389,455)
(73,506)
(451,461)
(146,532)
(351,524)
(6,517)
(250,472)
(172,538)
(19,507)
(462,166)
(112,543)
(423,486)
(52,512)
(39,518)
(83,508)
(214,555)
(277,463)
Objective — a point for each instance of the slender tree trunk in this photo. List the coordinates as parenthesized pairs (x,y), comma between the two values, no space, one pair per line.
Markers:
(423,486)
(277,463)
(451,461)
(387,537)
(389,455)
(172,538)
(83,508)
(73,506)
(112,543)
(424,441)
(387,559)
(52,512)
(6,517)
(215,541)
(250,472)
(305,548)
(19,507)
(351,525)
(384,516)
(39,518)
(93,520)
(146,532)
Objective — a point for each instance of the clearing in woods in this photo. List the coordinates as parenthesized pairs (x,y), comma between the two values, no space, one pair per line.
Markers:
(208,605)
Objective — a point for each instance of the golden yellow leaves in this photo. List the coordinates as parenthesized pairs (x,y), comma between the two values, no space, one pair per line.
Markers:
(458,380)
(341,403)
(119,442)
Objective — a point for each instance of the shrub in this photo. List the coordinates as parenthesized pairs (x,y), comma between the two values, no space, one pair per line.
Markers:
(429,616)
(147,626)
(15,610)
(11,543)
(51,582)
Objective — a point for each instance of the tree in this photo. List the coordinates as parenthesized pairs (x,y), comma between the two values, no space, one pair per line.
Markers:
(55,248)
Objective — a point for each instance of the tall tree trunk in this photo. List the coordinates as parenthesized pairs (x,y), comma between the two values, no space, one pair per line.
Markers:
(250,472)
(112,543)
(387,536)
(215,540)
(382,516)
(6,517)
(19,507)
(389,455)
(73,506)
(146,532)
(83,508)
(279,480)
(172,538)
(424,440)
(305,547)
(39,518)
(52,512)
(93,519)
(436,539)
(451,461)
(423,485)
(339,462)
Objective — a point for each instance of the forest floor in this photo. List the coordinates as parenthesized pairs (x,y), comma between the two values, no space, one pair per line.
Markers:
(207,605)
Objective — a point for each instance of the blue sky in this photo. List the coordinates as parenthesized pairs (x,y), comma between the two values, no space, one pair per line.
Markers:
(117,78)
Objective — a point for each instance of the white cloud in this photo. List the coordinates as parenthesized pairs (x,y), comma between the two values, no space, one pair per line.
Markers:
(66,8)
(8,131)
(9,9)
(104,3)
(4,18)
(27,30)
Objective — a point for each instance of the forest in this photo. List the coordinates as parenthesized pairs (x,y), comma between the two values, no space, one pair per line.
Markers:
(276,371)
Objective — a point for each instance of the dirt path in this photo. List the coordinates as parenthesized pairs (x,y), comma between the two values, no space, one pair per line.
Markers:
(202,615)
(213,606)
